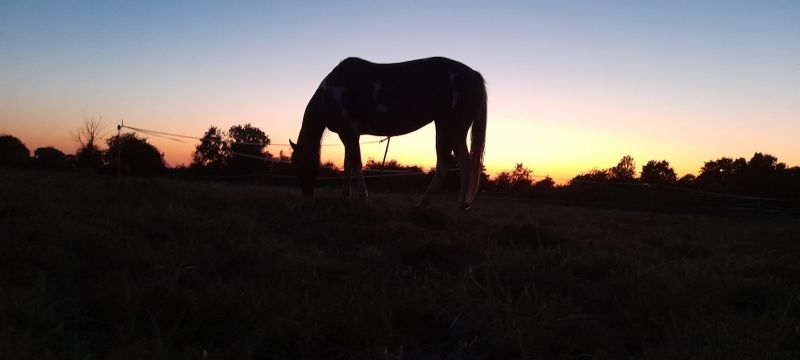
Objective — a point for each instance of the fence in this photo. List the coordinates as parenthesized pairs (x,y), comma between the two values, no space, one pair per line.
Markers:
(636,195)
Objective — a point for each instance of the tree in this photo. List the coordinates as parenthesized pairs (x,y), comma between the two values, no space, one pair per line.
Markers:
(792,181)
(392,164)
(545,184)
(89,155)
(763,176)
(518,179)
(658,172)
(283,158)
(246,143)
(625,169)
(247,139)
(240,150)
(13,152)
(50,158)
(212,151)
(721,174)
(133,155)
(592,175)
(687,180)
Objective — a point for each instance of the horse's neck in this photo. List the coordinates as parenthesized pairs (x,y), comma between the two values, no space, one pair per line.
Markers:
(311,135)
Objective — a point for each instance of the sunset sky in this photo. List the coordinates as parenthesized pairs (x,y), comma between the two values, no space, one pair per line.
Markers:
(572,85)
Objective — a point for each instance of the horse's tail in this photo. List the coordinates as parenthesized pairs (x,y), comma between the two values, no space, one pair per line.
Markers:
(477,144)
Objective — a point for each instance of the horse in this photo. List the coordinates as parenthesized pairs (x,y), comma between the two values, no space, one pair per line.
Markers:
(390,99)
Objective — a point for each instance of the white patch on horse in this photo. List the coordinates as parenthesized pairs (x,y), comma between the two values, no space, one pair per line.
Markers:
(338,94)
(375,87)
(381,108)
(454,97)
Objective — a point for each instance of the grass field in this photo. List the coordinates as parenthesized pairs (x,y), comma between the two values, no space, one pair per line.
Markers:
(95,267)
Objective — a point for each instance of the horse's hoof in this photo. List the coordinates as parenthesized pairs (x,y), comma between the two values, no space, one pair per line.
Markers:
(465,206)
(424,204)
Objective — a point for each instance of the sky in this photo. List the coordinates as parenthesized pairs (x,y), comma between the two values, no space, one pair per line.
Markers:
(573,85)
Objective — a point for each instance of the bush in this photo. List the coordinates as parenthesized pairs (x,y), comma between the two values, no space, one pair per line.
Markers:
(50,158)
(136,156)
(13,152)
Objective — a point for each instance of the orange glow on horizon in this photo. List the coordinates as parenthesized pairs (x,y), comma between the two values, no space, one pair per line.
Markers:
(552,148)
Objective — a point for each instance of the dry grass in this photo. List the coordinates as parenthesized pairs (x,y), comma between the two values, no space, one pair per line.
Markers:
(96,267)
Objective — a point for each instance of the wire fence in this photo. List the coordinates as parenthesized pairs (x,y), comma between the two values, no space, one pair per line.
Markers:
(736,203)
(178,138)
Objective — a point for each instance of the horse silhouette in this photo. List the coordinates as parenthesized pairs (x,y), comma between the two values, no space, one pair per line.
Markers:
(360,97)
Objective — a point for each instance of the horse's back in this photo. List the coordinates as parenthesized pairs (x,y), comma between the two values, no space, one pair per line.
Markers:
(438,68)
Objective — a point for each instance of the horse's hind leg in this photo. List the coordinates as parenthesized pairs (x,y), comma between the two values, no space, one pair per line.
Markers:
(348,170)
(462,156)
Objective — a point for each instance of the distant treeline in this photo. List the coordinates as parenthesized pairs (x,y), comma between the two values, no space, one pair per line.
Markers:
(239,154)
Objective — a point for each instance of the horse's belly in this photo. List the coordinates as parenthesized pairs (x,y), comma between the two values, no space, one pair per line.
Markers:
(392,126)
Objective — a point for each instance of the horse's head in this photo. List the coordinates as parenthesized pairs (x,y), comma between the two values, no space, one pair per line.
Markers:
(306,165)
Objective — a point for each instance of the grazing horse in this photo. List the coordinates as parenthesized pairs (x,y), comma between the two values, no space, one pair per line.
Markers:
(360,97)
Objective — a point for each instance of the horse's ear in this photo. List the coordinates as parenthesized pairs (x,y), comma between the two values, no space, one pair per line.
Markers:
(293,145)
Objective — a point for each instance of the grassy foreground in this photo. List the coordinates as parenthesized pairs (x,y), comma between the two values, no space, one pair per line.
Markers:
(98,267)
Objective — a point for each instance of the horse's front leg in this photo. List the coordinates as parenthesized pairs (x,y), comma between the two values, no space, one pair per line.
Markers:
(352,151)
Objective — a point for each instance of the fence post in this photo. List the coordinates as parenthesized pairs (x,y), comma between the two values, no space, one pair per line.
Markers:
(119,148)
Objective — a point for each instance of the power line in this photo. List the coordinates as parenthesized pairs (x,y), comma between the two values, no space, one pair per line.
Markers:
(160,133)
(172,136)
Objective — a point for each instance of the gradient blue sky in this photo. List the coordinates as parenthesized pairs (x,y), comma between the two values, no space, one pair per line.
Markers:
(572,85)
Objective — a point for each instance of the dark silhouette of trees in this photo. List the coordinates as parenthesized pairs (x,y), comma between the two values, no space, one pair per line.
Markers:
(89,155)
(792,182)
(282,157)
(135,155)
(401,177)
(329,164)
(658,172)
(247,144)
(763,175)
(592,175)
(13,152)
(518,179)
(720,174)
(371,164)
(50,158)
(212,151)
(240,150)
(686,181)
(625,169)
(545,184)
